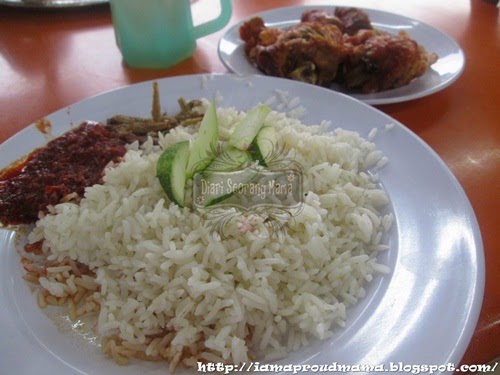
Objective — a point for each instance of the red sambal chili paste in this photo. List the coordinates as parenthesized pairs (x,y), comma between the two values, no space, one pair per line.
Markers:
(67,164)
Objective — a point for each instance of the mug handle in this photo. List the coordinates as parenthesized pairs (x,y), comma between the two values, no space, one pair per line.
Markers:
(216,24)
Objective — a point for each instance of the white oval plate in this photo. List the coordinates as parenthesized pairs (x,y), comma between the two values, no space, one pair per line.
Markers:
(441,74)
(424,312)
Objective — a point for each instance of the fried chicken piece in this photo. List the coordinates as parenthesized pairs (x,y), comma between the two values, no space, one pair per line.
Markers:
(348,20)
(339,46)
(254,33)
(307,52)
(250,31)
(353,20)
(322,16)
(379,61)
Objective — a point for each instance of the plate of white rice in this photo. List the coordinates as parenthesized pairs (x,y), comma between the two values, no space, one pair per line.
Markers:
(382,269)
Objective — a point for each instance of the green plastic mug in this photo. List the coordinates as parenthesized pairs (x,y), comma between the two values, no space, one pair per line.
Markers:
(157,34)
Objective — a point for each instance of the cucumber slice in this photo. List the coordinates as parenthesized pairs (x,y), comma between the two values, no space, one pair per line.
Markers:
(246,130)
(215,187)
(212,188)
(202,151)
(229,159)
(171,171)
(264,144)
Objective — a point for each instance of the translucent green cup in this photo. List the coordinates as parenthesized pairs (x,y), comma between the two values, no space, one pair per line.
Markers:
(157,34)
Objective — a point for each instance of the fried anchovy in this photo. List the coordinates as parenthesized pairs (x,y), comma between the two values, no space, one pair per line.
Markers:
(159,122)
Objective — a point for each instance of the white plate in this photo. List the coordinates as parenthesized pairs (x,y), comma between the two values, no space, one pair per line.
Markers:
(51,3)
(424,312)
(441,74)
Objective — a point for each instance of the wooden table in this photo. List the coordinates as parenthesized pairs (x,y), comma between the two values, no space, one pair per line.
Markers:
(52,58)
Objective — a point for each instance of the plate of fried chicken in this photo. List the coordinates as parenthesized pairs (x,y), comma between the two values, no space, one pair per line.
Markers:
(375,56)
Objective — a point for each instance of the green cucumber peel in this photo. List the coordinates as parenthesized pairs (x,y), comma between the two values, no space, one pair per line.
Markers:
(171,171)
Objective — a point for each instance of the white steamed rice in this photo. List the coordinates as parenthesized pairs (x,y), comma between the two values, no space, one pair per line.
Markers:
(160,273)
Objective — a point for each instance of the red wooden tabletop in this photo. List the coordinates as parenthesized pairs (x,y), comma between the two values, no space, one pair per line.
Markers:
(52,58)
